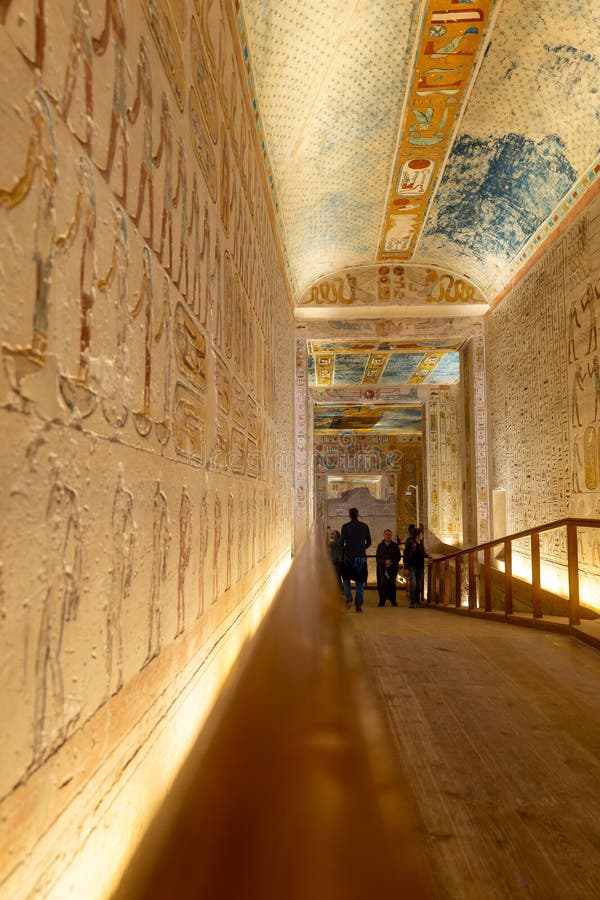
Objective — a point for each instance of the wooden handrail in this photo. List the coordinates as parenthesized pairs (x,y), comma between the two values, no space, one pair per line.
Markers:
(550,526)
(571,525)
(290,792)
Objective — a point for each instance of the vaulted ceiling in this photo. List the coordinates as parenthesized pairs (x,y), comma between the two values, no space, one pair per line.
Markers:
(419,151)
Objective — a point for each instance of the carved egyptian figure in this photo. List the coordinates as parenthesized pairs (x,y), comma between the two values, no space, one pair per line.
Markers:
(41,159)
(75,388)
(80,52)
(62,564)
(115,23)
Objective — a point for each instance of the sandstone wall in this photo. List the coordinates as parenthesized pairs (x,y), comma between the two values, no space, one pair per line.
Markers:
(544,389)
(146,409)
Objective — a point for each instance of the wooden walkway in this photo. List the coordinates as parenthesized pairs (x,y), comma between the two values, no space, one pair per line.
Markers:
(497,730)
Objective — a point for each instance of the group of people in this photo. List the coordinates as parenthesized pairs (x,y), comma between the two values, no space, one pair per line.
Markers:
(348,551)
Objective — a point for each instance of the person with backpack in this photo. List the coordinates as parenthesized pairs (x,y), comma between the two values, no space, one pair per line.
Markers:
(356,537)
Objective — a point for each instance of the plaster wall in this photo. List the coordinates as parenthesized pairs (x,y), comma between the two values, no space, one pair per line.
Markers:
(543,390)
(146,408)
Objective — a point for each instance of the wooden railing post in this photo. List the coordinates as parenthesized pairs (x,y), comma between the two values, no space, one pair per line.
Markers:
(446,595)
(480,586)
(472,582)
(573,566)
(508,591)
(487,578)
(429,582)
(536,590)
(457,580)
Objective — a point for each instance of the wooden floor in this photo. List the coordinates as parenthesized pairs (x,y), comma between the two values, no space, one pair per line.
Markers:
(497,730)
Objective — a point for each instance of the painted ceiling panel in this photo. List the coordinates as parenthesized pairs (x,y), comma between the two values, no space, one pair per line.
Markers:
(530,131)
(349,368)
(362,417)
(400,368)
(383,362)
(475,125)
(447,370)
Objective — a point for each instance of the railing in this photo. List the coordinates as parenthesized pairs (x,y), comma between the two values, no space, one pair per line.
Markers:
(291,791)
(467,578)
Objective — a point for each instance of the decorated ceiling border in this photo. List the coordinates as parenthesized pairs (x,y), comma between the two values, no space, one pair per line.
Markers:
(389,284)
(248,71)
(449,53)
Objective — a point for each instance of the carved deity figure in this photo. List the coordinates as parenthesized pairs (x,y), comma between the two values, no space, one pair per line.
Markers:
(114,406)
(41,160)
(165,151)
(80,53)
(115,23)
(75,388)
(62,583)
(185,554)
(123,545)
(143,100)
(161,538)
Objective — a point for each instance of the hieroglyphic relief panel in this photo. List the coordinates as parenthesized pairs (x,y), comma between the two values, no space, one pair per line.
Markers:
(477,348)
(443,460)
(134,433)
(528,398)
(301,442)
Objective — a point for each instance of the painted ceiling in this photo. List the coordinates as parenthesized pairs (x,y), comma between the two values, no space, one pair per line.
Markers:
(446,138)
(386,363)
(393,419)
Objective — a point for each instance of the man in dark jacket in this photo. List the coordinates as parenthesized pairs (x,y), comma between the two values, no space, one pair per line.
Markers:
(388,560)
(356,537)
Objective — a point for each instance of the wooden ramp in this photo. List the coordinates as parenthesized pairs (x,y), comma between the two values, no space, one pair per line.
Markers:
(497,730)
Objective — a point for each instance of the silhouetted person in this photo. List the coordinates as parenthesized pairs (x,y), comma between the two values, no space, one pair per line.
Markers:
(335,552)
(356,537)
(414,557)
(388,561)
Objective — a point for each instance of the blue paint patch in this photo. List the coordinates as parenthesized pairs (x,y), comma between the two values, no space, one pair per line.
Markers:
(349,368)
(311,369)
(405,418)
(498,191)
(447,370)
(400,367)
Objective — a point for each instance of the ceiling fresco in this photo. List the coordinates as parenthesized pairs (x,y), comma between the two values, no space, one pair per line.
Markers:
(450,135)
(386,363)
(405,420)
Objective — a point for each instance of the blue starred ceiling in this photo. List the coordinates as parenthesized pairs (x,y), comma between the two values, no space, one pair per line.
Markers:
(346,363)
(448,135)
